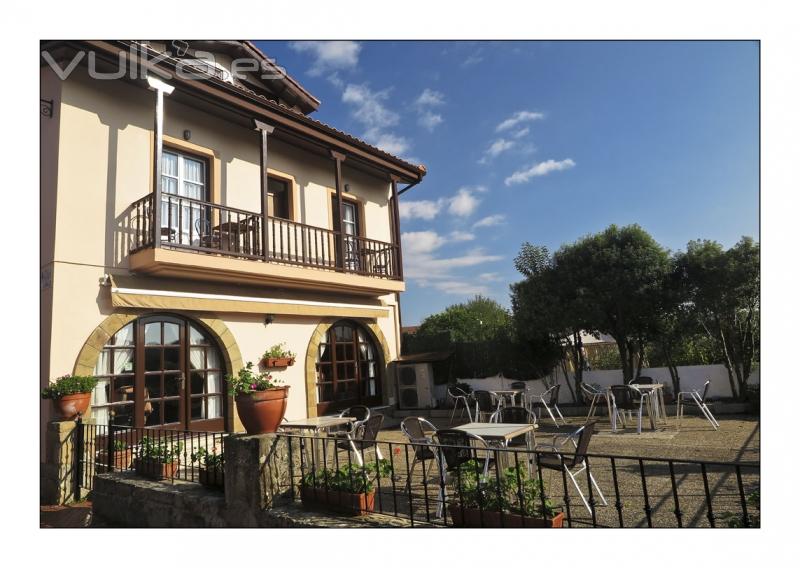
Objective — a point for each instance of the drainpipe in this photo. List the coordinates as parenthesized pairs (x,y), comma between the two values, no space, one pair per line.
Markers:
(161,88)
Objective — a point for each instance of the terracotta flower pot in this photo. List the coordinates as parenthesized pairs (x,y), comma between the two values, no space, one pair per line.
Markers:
(473,518)
(212,477)
(355,503)
(261,412)
(270,362)
(156,469)
(69,406)
(121,461)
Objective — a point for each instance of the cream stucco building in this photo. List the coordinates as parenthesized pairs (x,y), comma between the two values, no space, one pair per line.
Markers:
(194,215)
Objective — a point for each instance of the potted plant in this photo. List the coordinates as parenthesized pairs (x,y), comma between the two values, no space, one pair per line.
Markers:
(71,395)
(350,488)
(122,458)
(212,467)
(158,460)
(514,500)
(278,356)
(260,400)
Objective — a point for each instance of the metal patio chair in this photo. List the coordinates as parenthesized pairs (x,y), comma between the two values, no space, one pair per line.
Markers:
(364,438)
(459,396)
(593,396)
(455,448)
(549,401)
(572,464)
(694,398)
(626,398)
(486,404)
(420,434)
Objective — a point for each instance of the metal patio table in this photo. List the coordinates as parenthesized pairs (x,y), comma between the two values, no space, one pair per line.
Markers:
(502,434)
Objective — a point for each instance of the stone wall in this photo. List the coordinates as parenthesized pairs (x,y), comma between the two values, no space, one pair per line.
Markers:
(57,478)
(258,477)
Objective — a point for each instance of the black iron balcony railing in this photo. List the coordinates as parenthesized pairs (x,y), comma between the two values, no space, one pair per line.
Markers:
(200,226)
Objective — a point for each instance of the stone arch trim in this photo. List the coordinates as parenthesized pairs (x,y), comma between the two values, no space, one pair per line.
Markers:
(90,352)
(313,348)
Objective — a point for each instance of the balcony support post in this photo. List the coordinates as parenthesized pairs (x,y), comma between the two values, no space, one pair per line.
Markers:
(265,130)
(160,88)
(338,221)
(398,256)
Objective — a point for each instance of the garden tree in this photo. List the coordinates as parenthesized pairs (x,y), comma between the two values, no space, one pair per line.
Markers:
(675,324)
(478,319)
(484,342)
(724,288)
(546,304)
(617,275)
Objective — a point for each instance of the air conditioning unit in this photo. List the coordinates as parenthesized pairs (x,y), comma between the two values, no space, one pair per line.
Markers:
(415,386)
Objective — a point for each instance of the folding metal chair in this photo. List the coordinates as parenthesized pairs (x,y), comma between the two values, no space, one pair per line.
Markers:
(694,398)
(580,439)
(549,401)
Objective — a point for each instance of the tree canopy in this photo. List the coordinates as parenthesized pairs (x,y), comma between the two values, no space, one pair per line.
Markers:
(478,319)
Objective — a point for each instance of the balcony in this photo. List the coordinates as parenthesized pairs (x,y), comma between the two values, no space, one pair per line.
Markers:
(203,240)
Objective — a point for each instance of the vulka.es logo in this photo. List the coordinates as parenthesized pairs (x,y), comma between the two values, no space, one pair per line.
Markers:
(138,62)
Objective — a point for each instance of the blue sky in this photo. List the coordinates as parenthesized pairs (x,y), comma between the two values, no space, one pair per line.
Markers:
(544,142)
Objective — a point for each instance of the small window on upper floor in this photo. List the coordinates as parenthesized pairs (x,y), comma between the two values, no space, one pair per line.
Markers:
(279,198)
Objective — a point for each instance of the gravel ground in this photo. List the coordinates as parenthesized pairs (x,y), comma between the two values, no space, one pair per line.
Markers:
(737,440)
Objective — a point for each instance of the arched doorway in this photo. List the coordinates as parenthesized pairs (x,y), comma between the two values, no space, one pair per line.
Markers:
(161,371)
(348,368)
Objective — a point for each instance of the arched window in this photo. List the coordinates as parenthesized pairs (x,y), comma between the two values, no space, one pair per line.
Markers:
(160,371)
(348,368)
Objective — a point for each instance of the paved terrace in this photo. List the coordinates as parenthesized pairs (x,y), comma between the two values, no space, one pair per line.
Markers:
(737,440)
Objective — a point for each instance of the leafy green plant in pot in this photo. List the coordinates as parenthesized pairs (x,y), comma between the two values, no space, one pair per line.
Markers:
(278,356)
(212,467)
(260,399)
(514,500)
(349,488)
(121,458)
(158,459)
(71,395)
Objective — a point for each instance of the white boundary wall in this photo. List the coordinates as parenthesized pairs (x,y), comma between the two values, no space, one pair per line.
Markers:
(692,377)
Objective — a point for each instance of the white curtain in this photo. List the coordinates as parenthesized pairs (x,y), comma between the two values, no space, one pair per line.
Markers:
(101,395)
(100,392)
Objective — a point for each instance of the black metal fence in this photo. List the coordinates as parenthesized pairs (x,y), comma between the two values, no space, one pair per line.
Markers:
(503,487)
(158,454)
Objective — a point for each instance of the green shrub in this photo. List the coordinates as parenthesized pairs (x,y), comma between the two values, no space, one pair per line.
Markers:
(350,478)
(163,452)
(514,492)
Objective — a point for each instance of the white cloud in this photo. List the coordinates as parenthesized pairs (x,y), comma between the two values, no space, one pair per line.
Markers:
(464,203)
(495,149)
(430,120)
(442,273)
(473,59)
(369,109)
(329,55)
(387,142)
(540,169)
(421,242)
(424,102)
(490,277)
(424,209)
(460,236)
(521,132)
(490,221)
(518,118)
(429,97)
(461,288)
